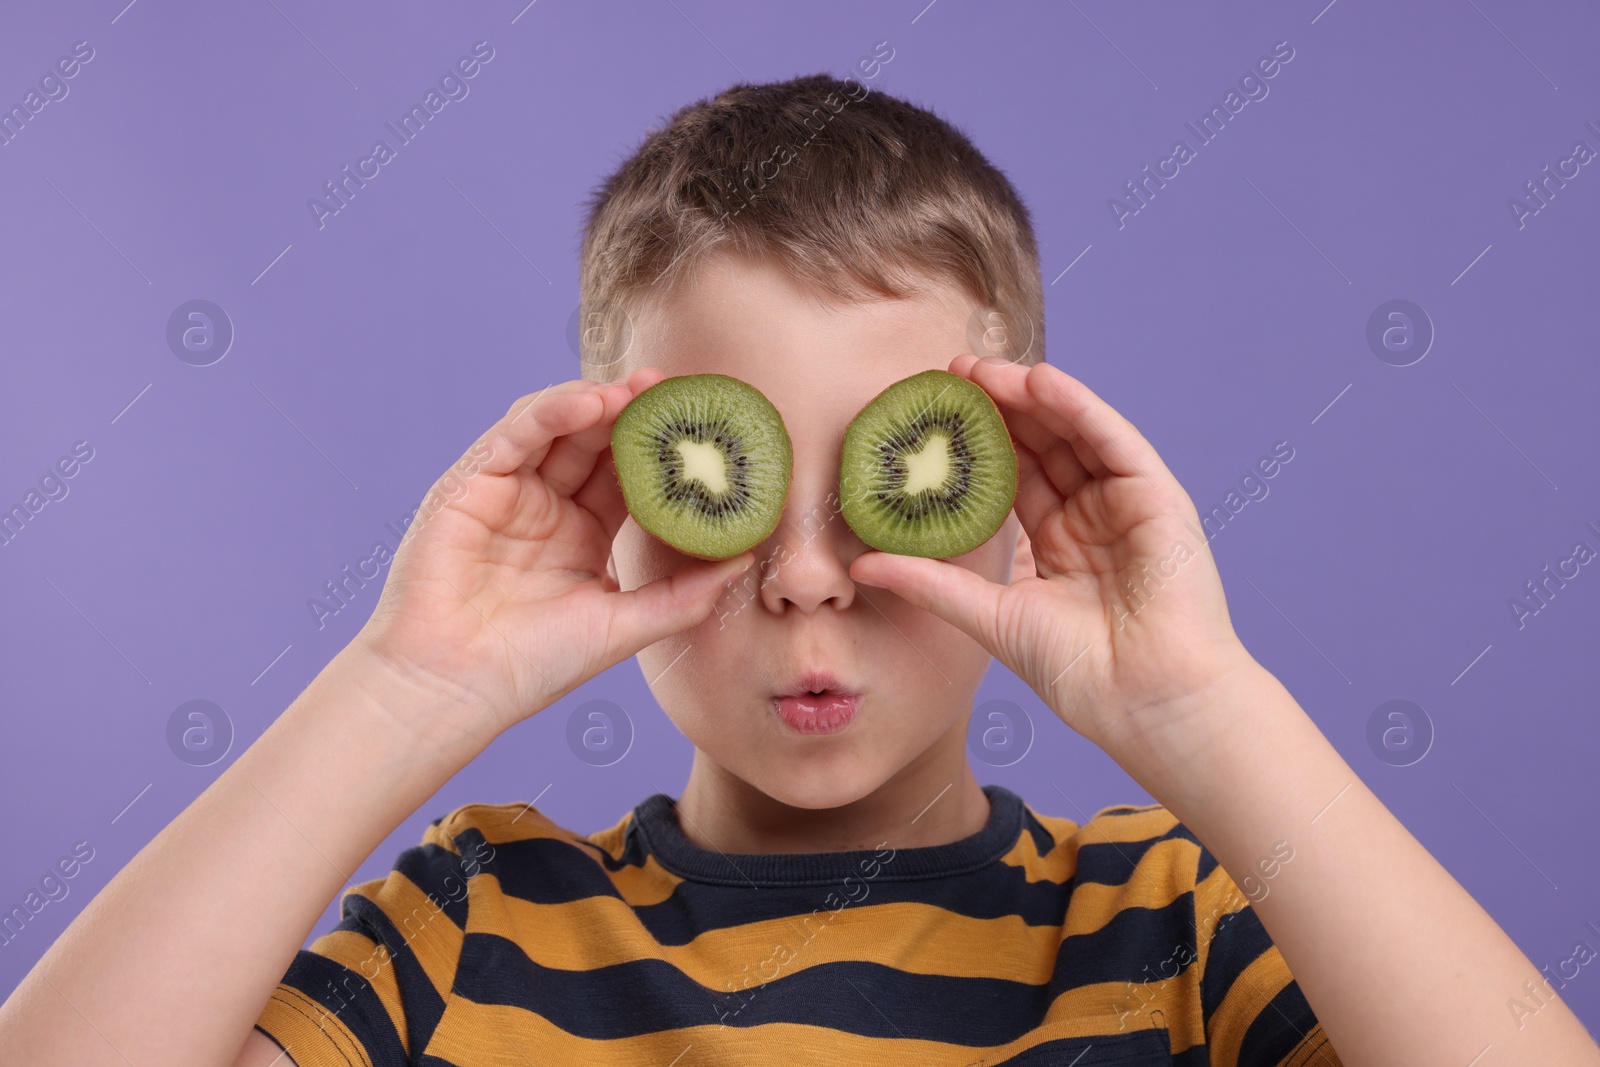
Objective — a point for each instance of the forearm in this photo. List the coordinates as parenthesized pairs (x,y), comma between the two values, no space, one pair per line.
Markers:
(172,962)
(1400,964)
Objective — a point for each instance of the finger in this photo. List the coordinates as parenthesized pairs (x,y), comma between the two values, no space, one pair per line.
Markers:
(672,604)
(1037,495)
(644,378)
(1007,384)
(571,458)
(1067,410)
(958,596)
(524,434)
(992,367)
(602,497)
(1101,437)
(1027,429)
(962,363)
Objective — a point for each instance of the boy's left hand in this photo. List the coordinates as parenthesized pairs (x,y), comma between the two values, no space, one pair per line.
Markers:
(1126,614)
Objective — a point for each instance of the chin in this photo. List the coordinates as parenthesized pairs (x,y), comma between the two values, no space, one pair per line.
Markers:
(819,786)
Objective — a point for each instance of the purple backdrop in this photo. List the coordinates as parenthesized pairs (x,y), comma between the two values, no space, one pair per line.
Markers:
(1440,457)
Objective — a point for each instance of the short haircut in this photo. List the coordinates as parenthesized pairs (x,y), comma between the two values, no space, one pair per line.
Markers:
(854,191)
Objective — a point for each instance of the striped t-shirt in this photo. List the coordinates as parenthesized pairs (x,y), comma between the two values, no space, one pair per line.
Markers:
(504,939)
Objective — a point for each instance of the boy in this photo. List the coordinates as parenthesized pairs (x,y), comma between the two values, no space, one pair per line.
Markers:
(832,885)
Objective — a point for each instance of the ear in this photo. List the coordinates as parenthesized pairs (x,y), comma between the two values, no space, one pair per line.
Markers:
(1022,565)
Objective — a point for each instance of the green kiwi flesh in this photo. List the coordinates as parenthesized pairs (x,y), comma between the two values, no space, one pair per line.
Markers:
(703,461)
(928,467)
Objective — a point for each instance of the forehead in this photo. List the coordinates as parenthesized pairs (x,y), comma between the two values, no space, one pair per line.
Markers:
(807,351)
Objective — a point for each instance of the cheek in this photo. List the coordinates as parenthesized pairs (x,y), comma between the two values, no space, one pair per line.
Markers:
(935,663)
(928,654)
(992,559)
(640,558)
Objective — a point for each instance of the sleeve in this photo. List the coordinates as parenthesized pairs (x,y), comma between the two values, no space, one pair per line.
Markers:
(1254,1012)
(369,992)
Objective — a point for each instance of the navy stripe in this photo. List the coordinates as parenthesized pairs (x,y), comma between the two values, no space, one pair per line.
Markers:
(350,997)
(961,1010)
(1133,1048)
(1043,842)
(1197,1055)
(440,874)
(1239,941)
(649,996)
(1136,945)
(658,823)
(420,1002)
(1103,862)
(1277,1029)
(1112,862)
(550,871)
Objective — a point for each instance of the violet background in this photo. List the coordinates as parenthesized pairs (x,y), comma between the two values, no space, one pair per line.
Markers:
(1225,317)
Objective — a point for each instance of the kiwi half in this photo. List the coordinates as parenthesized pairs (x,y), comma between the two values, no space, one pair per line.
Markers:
(928,467)
(703,461)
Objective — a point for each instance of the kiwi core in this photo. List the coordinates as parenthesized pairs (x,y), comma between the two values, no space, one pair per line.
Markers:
(706,464)
(929,467)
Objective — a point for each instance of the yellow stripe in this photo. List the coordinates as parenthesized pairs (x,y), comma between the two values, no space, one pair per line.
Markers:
(506,823)
(312,1037)
(1256,985)
(1215,898)
(1130,826)
(431,936)
(1169,1003)
(1315,1050)
(491,1035)
(603,931)
(363,956)
(1056,867)
(511,823)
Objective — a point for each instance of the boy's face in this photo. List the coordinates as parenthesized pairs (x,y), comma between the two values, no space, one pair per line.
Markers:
(797,609)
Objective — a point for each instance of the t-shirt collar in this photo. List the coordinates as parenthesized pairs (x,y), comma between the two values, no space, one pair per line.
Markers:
(655,820)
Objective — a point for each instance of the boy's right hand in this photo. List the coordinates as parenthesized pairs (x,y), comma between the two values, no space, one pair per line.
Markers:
(498,597)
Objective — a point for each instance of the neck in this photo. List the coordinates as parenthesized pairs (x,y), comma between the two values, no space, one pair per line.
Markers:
(920,806)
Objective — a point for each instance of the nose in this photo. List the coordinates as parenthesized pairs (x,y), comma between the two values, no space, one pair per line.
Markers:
(805,564)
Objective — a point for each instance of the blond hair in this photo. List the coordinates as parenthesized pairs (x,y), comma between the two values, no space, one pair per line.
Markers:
(854,191)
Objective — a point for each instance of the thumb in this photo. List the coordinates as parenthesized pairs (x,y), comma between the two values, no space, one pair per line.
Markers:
(961,598)
(672,604)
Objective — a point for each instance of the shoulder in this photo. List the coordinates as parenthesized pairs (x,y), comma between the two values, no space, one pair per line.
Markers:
(481,826)
(505,839)
(1116,840)
(511,822)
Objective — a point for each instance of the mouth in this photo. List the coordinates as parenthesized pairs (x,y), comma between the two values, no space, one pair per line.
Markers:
(818,703)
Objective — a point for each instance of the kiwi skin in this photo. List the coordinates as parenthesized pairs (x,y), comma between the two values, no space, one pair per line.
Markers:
(854,481)
(739,392)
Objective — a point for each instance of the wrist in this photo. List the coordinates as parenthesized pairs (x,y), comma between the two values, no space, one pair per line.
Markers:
(1160,741)
(417,712)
